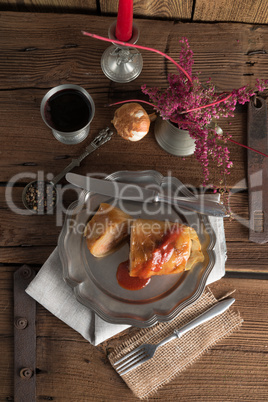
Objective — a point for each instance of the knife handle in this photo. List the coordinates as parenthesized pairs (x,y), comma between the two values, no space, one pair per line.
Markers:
(199,205)
(212,312)
(258,171)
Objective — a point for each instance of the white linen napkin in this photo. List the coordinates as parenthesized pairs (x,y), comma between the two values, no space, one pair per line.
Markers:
(50,290)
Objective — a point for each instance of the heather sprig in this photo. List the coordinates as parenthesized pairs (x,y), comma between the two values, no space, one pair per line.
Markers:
(196,107)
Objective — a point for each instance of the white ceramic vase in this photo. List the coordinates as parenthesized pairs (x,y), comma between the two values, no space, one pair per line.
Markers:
(172,139)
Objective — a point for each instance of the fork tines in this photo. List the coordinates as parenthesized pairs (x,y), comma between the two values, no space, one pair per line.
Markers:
(132,360)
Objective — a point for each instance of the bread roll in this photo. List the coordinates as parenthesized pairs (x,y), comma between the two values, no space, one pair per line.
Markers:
(131,121)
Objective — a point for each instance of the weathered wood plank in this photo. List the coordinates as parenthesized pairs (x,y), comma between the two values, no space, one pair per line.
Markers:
(41,152)
(221,51)
(26,254)
(49,5)
(28,145)
(230,54)
(227,367)
(202,10)
(238,375)
(232,10)
(22,243)
(253,260)
(175,9)
(237,364)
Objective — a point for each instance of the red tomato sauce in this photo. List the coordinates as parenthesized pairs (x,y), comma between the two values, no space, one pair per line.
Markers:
(129,282)
(162,253)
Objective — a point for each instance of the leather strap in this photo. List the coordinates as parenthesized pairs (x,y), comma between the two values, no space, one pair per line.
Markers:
(24,338)
(258,171)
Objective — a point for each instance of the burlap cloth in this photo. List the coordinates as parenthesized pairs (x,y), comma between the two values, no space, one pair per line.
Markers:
(174,357)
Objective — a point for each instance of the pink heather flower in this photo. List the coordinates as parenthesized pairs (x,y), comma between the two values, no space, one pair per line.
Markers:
(193,106)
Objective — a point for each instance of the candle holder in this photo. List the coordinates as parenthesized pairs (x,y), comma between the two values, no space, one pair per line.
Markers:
(121,63)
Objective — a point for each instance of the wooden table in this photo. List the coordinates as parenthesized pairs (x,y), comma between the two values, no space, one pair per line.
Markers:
(39,51)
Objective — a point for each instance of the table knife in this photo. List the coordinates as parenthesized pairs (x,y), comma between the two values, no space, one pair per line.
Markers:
(258,170)
(133,192)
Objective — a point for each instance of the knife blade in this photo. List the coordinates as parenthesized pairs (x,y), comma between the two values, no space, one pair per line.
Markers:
(133,192)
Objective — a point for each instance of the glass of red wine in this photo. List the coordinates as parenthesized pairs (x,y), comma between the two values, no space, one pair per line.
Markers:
(68,111)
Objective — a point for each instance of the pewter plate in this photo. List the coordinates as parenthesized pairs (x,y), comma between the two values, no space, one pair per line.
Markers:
(94,279)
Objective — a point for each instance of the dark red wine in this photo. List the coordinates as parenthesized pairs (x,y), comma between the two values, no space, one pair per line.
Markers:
(68,110)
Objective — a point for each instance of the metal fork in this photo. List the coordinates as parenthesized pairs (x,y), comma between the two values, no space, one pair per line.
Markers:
(145,352)
(103,136)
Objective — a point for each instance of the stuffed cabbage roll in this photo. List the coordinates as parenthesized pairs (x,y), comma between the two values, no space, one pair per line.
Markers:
(162,248)
(106,230)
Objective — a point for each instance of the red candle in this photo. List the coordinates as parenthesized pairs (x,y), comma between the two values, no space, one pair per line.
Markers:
(123,30)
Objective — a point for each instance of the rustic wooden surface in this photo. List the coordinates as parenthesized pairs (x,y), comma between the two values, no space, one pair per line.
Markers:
(43,58)
(231,10)
(175,9)
(247,11)
(50,5)
(39,51)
